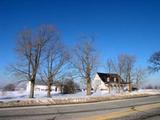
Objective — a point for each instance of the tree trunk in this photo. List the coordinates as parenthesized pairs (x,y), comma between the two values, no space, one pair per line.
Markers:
(49,88)
(31,84)
(130,87)
(130,84)
(49,92)
(88,87)
(119,86)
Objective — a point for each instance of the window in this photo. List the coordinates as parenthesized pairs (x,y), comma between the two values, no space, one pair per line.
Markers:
(114,79)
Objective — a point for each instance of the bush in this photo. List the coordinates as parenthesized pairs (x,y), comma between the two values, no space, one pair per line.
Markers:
(69,87)
(9,87)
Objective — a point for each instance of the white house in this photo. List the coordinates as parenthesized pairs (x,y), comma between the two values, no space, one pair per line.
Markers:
(109,82)
(42,87)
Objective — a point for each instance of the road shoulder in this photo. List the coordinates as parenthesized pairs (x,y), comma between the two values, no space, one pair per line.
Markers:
(131,113)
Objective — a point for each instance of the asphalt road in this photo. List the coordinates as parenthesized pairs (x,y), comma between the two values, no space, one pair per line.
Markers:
(153,114)
(76,112)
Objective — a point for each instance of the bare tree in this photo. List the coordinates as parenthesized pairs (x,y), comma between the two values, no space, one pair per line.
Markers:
(118,66)
(155,62)
(110,65)
(140,74)
(124,67)
(55,60)
(128,72)
(85,61)
(30,48)
(121,63)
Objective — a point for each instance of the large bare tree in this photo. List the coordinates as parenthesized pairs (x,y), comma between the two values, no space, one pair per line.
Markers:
(139,75)
(130,61)
(85,61)
(54,63)
(124,67)
(110,66)
(31,46)
(121,65)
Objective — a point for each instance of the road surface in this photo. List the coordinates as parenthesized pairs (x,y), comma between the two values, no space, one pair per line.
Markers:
(116,109)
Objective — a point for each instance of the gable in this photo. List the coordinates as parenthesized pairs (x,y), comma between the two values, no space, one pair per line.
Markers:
(97,83)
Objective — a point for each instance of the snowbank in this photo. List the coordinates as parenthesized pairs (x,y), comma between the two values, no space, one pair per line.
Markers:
(80,97)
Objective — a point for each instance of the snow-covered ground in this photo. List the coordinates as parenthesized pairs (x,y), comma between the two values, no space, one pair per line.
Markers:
(11,95)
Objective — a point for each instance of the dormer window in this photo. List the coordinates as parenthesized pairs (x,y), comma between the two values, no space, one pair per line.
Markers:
(107,79)
(114,79)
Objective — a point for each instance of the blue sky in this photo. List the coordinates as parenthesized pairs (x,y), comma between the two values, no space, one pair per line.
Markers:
(119,26)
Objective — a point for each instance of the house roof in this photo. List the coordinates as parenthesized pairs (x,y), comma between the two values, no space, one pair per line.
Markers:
(40,82)
(111,76)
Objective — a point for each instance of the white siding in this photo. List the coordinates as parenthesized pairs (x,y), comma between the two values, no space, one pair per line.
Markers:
(98,84)
(42,87)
